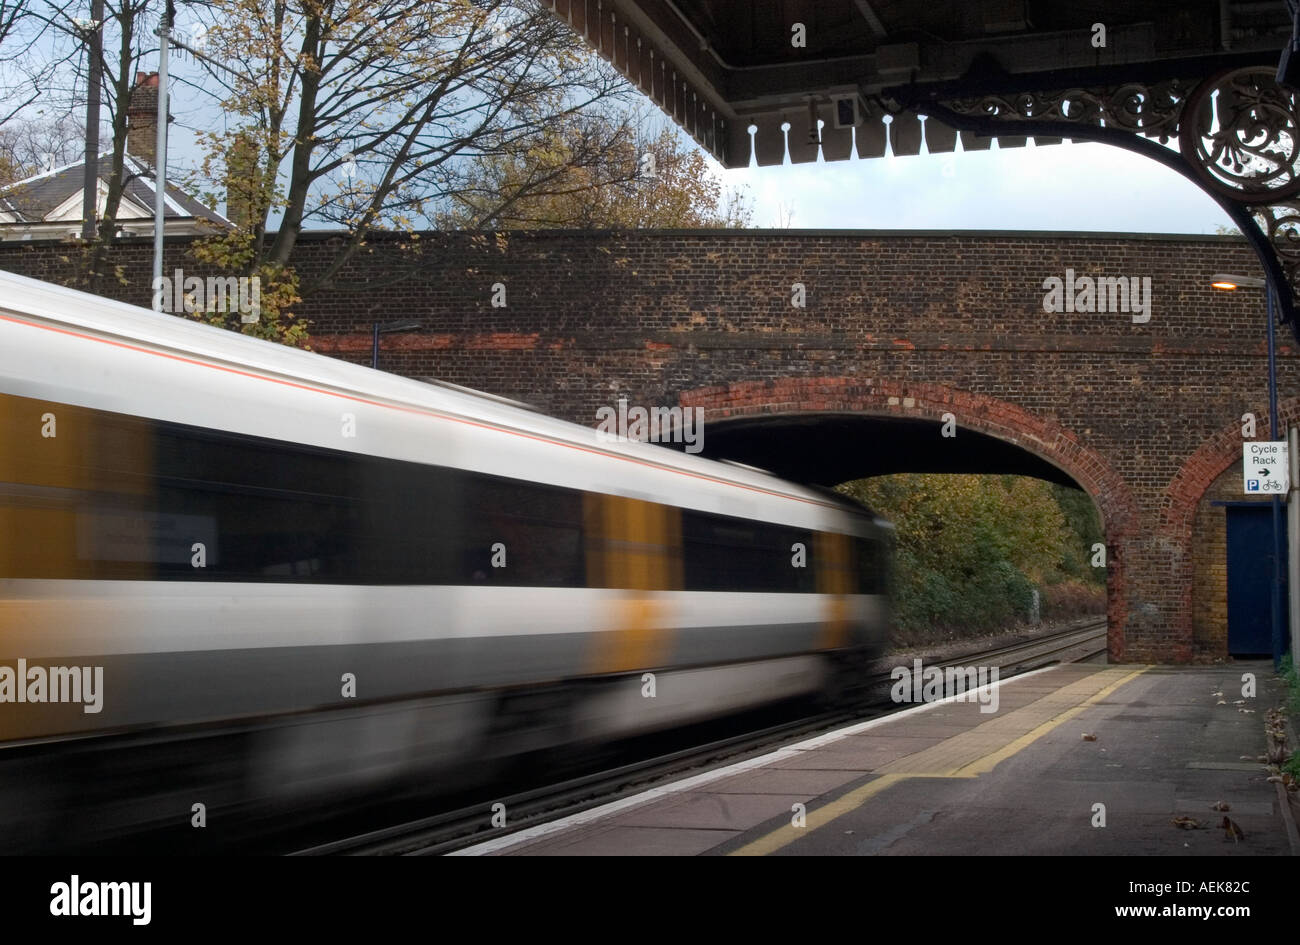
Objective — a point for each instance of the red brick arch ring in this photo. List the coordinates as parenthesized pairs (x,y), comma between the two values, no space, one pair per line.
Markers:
(1043,437)
(1190,484)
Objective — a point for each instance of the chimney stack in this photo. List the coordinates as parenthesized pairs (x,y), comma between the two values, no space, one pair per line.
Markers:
(243,180)
(142,118)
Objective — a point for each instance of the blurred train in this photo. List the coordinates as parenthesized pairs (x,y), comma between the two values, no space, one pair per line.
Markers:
(235,574)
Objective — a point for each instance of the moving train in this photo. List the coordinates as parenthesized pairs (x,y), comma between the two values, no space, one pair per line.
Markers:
(234,573)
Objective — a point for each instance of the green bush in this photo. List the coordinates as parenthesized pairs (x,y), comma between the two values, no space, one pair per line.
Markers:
(1287,670)
(931,600)
(995,595)
(1292,766)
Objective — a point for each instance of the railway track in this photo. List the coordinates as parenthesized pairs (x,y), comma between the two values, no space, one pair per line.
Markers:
(448,831)
(1089,638)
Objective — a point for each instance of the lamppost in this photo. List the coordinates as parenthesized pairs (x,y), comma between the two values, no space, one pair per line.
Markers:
(164,32)
(167,39)
(1231,283)
(383,328)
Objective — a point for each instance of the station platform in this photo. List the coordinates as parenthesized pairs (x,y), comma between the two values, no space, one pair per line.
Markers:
(946,778)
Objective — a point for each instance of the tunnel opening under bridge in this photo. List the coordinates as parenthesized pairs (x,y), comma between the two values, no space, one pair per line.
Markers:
(991,540)
(827,449)
(827,432)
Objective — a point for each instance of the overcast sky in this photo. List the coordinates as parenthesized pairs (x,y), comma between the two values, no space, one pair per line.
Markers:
(1058,187)
(1068,186)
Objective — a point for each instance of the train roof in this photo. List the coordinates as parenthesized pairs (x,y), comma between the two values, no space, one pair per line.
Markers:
(132,325)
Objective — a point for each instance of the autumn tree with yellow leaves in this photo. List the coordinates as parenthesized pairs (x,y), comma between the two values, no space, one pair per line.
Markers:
(970,549)
(650,181)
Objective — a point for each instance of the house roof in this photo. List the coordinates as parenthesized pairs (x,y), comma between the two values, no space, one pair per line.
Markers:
(56,196)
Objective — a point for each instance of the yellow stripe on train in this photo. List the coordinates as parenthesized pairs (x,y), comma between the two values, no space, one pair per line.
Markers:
(635,546)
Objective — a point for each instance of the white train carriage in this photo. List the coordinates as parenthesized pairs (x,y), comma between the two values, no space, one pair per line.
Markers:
(373,573)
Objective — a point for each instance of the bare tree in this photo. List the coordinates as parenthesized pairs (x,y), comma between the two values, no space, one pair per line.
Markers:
(368,114)
(35,146)
(64,34)
(25,67)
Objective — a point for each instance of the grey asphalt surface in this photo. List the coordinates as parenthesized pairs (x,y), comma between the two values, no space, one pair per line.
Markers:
(952,780)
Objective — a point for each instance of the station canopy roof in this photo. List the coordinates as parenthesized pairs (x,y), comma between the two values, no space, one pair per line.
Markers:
(722,67)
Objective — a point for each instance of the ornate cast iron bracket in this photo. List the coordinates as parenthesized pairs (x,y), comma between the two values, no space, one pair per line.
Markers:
(1237,134)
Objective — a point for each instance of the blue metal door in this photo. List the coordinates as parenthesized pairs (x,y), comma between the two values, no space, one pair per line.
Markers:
(1250,576)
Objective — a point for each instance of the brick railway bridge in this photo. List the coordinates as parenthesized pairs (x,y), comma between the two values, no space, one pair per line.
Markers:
(1142,409)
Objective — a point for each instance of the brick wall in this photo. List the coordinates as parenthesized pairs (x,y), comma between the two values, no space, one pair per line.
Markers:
(1210,565)
(1144,415)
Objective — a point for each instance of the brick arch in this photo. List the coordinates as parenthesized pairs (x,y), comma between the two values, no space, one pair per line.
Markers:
(1036,434)
(1208,463)
(1187,488)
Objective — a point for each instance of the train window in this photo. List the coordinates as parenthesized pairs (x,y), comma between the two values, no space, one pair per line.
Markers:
(276,512)
(264,510)
(347,518)
(518,533)
(722,553)
(871,563)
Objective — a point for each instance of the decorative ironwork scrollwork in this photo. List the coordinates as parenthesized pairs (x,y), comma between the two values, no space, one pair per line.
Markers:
(1240,132)
(1280,222)
(1146,109)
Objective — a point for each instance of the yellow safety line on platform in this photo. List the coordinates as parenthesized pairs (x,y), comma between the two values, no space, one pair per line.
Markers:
(828,813)
(991,760)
